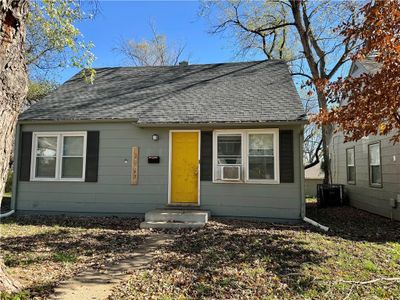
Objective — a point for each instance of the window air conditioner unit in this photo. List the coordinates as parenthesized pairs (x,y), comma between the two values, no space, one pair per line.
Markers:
(230,172)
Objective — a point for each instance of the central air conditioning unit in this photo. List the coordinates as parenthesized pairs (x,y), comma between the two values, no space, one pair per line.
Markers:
(230,173)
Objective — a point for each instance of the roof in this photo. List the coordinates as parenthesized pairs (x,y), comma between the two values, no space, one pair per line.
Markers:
(315,172)
(370,64)
(259,91)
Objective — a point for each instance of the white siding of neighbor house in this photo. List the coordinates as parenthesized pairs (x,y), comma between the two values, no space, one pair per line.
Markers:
(114,195)
(361,194)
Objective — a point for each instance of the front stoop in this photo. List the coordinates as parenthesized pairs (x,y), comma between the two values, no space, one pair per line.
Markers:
(175,219)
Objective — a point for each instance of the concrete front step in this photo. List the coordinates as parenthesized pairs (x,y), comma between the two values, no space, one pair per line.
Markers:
(171,225)
(177,215)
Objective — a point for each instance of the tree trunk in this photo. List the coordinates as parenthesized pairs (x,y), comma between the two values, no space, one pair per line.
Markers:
(13,77)
(326,135)
(7,284)
(13,89)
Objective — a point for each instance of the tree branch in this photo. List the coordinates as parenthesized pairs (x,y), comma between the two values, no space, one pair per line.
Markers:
(301,74)
(316,156)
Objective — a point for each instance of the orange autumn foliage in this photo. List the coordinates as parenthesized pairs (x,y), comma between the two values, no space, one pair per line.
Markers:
(369,104)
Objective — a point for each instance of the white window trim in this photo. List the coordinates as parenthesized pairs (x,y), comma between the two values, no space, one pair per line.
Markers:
(373,184)
(60,135)
(351,165)
(244,133)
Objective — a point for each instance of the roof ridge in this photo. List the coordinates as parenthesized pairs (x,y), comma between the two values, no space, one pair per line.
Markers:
(191,65)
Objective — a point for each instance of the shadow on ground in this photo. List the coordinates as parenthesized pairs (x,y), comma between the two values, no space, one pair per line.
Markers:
(228,259)
(88,222)
(355,224)
(43,250)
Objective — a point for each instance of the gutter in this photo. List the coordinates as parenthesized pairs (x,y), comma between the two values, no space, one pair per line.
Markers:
(166,124)
(77,121)
(220,124)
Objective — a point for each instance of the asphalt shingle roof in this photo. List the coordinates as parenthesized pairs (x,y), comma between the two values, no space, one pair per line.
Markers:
(261,91)
(370,64)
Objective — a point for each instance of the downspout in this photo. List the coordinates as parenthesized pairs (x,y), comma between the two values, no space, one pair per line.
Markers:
(15,174)
(316,224)
(302,196)
(301,177)
(7,214)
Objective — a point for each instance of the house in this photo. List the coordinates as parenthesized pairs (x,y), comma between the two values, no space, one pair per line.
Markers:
(370,167)
(312,177)
(226,138)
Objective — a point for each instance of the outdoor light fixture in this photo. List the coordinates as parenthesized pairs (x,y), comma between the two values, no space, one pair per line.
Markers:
(155,137)
(125,160)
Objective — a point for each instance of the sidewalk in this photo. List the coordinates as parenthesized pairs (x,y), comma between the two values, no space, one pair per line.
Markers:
(93,284)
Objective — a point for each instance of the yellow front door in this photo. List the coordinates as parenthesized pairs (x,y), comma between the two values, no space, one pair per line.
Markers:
(184,167)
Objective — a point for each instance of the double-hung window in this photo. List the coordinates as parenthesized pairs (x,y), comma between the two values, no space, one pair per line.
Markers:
(58,156)
(351,166)
(249,155)
(374,162)
(229,156)
(261,160)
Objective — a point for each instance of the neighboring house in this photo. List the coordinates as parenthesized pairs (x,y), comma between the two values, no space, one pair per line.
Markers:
(370,167)
(223,137)
(312,177)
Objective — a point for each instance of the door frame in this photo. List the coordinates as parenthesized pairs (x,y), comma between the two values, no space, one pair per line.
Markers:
(170,167)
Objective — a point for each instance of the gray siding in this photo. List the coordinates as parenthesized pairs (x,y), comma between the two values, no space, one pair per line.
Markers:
(113,194)
(361,194)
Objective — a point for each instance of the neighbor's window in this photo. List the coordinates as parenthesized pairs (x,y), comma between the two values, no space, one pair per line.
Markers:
(261,156)
(375,168)
(248,155)
(59,156)
(351,167)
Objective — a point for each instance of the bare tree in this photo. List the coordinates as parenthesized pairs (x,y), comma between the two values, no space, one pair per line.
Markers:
(299,31)
(153,52)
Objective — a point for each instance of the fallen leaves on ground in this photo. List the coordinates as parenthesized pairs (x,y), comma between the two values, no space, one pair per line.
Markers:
(41,251)
(233,259)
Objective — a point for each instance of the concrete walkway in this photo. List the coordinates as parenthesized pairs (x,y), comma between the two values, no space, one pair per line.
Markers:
(93,284)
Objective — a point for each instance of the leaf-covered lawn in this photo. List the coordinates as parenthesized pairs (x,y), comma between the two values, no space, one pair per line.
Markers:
(250,260)
(40,251)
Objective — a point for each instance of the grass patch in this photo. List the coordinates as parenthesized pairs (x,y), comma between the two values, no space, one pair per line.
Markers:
(17,296)
(370,266)
(64,257)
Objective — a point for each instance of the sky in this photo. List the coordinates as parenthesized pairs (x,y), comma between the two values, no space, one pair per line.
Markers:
(178,20)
